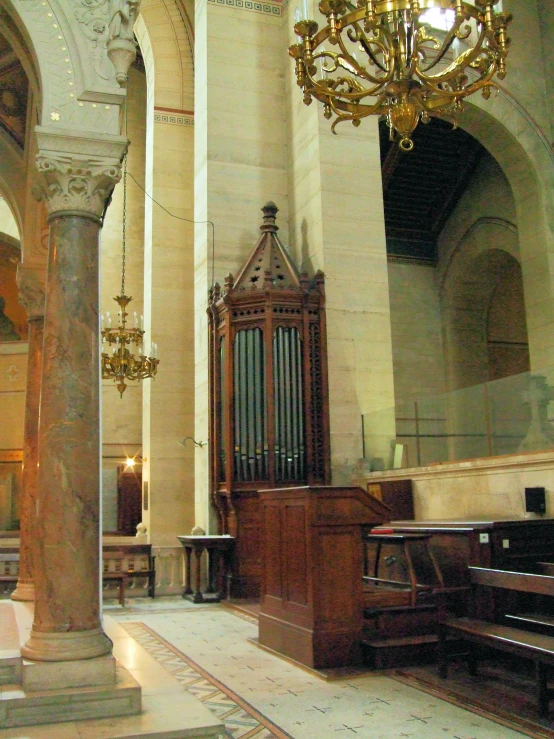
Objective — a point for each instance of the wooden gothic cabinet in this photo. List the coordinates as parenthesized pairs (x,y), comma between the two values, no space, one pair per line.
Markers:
(269,418)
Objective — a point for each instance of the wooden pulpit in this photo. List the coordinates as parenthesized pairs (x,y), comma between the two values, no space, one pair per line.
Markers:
(311,600)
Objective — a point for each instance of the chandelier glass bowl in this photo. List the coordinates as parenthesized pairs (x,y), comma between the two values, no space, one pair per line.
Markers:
(383,57)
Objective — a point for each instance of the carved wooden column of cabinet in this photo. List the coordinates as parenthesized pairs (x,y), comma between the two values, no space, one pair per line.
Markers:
(269,419)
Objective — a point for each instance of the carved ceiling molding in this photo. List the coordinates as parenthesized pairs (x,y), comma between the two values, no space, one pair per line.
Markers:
(72,44)
(108,27)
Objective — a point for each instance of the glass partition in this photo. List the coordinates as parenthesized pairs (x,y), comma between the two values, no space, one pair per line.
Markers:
(502,417)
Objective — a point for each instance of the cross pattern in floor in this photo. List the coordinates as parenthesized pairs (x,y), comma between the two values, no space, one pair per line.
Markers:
(209,650)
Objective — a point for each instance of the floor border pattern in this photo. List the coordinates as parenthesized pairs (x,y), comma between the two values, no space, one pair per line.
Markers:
(242,720)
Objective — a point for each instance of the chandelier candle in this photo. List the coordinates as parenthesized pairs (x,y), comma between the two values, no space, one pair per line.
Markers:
(411,69)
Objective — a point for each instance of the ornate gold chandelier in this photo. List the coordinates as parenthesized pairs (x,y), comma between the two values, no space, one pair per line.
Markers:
(411,71)
(122,364)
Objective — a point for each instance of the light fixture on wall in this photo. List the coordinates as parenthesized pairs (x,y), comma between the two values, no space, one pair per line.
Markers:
(130,462)
(118,361)
(390,61)
(200,444)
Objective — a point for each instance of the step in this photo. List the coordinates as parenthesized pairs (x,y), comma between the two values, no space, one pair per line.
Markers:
(376,611)
(25,708)
(10,656)
(385,653)
(10,666)
(401,641)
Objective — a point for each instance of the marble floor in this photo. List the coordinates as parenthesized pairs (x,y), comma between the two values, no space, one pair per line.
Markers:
(207,649)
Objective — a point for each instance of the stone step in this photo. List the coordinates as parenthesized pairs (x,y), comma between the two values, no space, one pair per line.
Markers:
(10,667)
(25,708)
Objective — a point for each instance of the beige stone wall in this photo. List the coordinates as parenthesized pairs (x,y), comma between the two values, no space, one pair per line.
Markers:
(337,225)
(546,22)
(470,266)
(416,331)
(122,417)
(13,376)
(240,163)
(8,223)
(480,488)
(168,402)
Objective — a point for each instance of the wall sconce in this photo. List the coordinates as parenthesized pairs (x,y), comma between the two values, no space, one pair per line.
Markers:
(197,443)
(130,462)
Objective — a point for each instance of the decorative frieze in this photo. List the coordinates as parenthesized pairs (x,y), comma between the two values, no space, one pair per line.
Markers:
(176,119)
(267,8)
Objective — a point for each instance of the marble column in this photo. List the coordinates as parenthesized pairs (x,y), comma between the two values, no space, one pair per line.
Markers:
(76,189)
(31,296)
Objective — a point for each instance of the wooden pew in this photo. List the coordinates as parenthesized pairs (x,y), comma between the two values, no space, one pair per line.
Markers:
(539,648)
(123,563)
(9,568)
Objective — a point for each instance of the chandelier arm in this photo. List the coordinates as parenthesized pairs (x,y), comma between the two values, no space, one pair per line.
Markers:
(457,66)
(362,72)
(328,91)
(362,39)
(479,84)
(484,79)
(354,112)
(446,44)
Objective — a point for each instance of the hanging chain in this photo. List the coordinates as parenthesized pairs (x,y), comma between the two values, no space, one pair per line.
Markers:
(124,210)
(124,224)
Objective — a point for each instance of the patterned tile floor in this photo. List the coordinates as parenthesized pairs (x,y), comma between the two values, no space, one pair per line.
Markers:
(258,695)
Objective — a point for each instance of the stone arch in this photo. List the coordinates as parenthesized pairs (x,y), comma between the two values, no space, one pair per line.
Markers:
(473,273)
(523,153)
(170,39)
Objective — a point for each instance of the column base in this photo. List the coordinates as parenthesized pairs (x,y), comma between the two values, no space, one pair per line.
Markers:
(66,646)
(25,590)
(97,672)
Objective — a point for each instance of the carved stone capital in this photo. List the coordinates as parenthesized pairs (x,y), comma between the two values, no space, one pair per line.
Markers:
(77,173)
(32,290)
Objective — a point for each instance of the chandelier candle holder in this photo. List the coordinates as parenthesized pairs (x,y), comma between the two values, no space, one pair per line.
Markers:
(383,57)
(122,364)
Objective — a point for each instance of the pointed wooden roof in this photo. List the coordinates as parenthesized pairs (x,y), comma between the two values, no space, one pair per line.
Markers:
(268,264)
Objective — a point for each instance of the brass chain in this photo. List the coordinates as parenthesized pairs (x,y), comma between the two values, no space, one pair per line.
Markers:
(124,210)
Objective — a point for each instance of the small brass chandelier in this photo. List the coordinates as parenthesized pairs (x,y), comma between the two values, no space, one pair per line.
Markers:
(121,364)
(411,71)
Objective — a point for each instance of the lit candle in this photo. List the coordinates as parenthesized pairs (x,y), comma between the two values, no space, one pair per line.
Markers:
(102,321)
(305,9)
(141,322)
(109,319)
(135,320)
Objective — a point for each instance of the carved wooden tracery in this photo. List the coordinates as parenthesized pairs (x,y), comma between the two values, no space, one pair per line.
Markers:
(269,423)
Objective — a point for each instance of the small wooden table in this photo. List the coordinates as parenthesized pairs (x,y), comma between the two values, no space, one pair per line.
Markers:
(218,549)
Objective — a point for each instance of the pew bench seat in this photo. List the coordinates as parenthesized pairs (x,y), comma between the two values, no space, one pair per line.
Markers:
(9,569)
(539,648)
(124,564)
(527,644)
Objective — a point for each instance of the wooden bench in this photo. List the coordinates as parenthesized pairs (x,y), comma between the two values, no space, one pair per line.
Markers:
(9,568)
(539,648)
(127,562)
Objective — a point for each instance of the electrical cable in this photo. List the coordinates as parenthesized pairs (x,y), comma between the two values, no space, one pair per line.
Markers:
(180,218)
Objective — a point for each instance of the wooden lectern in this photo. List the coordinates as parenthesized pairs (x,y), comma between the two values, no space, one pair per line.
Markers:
(311,600)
